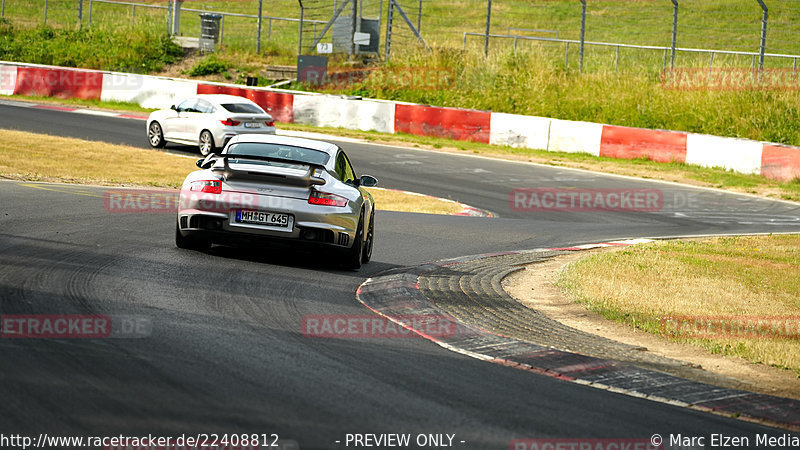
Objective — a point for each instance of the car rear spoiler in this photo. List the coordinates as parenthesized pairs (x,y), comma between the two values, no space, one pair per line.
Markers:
(306,180)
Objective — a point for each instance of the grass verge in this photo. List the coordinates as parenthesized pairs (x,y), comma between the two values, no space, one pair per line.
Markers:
(699,291)
(38,157)
(137,49)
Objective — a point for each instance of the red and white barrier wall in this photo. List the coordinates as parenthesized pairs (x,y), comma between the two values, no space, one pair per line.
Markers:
(770,160)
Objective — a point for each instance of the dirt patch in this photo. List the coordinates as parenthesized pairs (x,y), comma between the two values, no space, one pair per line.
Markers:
(182,67)
(535,288)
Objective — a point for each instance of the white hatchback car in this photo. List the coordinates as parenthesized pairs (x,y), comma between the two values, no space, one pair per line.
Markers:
(208,121)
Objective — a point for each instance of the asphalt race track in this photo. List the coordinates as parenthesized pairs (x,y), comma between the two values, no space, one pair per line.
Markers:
(226,353)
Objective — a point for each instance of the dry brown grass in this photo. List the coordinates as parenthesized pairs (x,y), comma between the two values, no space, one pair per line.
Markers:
(754,276)
(389,200)
(39,157)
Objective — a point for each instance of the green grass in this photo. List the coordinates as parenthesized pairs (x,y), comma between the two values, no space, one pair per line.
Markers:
(208,66)
(129,49)
(715,24)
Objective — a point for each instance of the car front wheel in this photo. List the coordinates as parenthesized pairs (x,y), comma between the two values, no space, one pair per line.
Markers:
(155,135)
(206,143)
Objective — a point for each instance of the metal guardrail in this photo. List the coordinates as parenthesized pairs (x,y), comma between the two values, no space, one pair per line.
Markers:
(531,30)
(666,50)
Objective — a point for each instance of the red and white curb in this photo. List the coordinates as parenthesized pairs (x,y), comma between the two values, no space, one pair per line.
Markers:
(622,243)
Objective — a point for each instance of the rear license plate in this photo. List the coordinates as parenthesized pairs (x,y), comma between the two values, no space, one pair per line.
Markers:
(262,218)
(252,124)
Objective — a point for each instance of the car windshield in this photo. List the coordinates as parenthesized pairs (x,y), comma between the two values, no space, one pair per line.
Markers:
(288,152)
(245,108)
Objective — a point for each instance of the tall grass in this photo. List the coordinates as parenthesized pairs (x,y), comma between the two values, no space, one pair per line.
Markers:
(126,48)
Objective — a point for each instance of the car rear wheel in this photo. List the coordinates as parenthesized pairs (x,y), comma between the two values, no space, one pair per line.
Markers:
(206,143)
(355,256)
(155,135)
(189,243)
(368,242)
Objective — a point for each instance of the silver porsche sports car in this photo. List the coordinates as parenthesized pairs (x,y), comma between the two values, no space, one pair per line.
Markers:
(278,190)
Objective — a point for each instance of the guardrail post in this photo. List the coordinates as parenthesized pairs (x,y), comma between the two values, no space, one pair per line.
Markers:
(91,3)
(488,23)
(45,12)
(419,17)
(133,14)
(355,27)
(566,57)
(300,33)
(221,28)
(674,32)
(389,14)
(80,11)
(258,26)
(616,61)
(176,17)
(764,20)
(3,12)
(583,33)
(269,28)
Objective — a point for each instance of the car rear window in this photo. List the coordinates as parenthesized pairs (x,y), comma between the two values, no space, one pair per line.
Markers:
(288,152)
(244,108)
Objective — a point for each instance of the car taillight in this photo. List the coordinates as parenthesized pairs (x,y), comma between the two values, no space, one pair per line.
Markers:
(208,186)
(230,122)
(321,198)
(270,123)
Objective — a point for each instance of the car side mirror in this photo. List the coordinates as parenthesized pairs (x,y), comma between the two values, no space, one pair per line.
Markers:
(367,181)
(174,108)
(200,162)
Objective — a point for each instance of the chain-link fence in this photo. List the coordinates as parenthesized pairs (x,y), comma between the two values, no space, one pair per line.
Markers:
(584,35)
(633,35)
